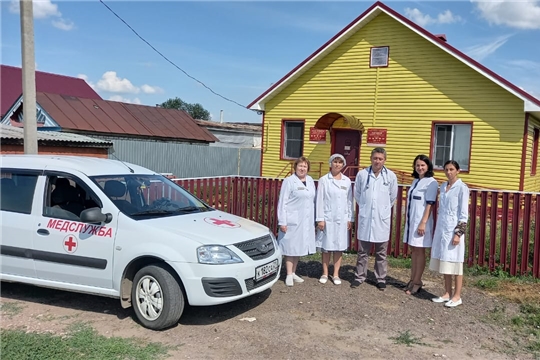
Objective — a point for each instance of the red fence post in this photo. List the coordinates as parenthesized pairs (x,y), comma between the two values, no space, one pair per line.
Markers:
(472,229)
(399,214)
(515,233)
(536,254)
(483,221)
(526,234)
(493,229)
(503,258)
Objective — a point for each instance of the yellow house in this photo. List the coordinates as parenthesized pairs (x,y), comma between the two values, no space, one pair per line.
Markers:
(385,81)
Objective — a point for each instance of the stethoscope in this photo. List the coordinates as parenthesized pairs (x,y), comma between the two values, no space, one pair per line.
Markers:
(383,171)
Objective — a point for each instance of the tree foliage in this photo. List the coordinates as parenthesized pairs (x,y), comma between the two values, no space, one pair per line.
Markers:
(196,111)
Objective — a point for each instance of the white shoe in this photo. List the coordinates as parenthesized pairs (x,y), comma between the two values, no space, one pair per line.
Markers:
(336,280)
(297,278)
(453,303)
(323,279)
(440,299)
(289,280)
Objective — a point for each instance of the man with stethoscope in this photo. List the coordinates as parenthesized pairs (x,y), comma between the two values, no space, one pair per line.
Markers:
(375,191)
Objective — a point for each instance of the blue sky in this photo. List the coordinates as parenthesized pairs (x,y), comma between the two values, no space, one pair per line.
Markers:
(239,49)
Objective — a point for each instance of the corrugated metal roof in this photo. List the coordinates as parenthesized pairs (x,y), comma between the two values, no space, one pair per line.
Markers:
(11,86)
(14,133)
(111,117)
(252,127)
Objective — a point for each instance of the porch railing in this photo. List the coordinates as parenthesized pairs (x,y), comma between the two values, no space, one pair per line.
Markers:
(502,233)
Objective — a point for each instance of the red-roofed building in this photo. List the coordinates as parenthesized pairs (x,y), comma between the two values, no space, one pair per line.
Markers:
(11,86)
(110,119)
(385,81)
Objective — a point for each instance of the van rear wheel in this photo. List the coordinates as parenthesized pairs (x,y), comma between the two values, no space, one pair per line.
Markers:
(157,297)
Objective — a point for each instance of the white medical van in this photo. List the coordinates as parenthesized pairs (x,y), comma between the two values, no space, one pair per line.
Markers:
(110,228)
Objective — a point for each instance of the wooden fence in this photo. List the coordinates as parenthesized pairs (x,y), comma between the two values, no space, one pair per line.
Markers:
(502,230)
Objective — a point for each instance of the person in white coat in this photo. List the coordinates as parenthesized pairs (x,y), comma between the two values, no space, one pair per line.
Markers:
(334,215)
(375,191)
(418,234)
(296,218)
(448,250)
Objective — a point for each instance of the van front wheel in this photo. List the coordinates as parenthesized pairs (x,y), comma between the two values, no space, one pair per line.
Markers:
(157,298)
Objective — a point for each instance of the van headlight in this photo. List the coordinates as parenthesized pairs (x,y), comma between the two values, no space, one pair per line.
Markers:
(215,254)
(273,237)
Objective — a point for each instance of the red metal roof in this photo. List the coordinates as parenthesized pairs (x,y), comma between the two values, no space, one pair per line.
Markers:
(11,86)
(440,42)
(111,117)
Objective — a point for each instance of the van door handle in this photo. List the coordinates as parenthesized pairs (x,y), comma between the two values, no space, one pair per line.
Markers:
(43,232)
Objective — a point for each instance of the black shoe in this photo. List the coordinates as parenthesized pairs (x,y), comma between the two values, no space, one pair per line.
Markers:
(355,284)
(381,286)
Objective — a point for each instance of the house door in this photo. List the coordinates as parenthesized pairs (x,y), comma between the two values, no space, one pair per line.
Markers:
(347,143)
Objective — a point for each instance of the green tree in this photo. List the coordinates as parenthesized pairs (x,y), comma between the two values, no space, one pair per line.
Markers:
(196,111)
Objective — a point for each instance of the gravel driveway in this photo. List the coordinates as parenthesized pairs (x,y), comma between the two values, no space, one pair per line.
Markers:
(309,320)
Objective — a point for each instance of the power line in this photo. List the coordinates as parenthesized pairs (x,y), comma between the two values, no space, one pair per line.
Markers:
(167,59)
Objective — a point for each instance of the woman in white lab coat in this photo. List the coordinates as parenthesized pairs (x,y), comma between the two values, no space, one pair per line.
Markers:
(448,249)
(334,215)
(418,233)
(296,218)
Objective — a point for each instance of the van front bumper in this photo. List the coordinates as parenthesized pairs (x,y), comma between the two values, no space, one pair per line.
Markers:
(218,284)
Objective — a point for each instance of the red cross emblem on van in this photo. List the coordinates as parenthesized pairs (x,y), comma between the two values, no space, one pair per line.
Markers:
(222,223)
(70,244)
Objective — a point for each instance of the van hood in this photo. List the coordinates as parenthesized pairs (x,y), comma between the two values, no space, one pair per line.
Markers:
(212,227)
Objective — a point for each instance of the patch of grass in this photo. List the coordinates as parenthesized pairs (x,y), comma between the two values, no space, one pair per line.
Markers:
(527,324)
(401,263)
(10,308)
(81,341)
(405,338)
(488,283)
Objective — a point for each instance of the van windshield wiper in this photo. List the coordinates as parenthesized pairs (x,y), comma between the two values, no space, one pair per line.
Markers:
(189,209)
(153,212)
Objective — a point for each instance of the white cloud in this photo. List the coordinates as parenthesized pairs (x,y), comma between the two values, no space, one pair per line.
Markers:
(147,89)
(120,98)
(526,65)
(112,83)
(63,24)
(43,9)
(481,51)
(422,19)
(522,14)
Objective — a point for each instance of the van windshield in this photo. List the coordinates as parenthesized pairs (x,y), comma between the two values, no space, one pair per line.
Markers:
(148,196)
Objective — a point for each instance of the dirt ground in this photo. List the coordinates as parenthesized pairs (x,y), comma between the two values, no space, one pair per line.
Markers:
(309,320)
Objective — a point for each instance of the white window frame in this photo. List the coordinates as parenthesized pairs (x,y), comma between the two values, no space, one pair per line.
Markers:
(383,57)
(463,166)
(284,154)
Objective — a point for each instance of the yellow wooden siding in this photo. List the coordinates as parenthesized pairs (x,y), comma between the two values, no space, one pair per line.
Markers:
(422,84)
(532,182)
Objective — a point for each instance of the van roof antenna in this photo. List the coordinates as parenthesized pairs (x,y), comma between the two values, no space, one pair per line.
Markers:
(126,165)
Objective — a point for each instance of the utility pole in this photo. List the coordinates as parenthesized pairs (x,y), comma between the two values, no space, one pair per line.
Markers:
(28,77)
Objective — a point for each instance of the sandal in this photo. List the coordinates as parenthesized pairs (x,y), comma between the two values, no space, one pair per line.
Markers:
(416,288)
(409,286)
(323,279)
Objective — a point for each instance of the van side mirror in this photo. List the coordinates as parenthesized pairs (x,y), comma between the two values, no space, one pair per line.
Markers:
(94,215)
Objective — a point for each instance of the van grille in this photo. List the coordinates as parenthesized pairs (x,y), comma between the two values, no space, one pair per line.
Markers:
(259,248)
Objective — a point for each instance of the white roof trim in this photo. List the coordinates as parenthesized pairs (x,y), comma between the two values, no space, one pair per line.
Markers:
(49,121)
(260,104)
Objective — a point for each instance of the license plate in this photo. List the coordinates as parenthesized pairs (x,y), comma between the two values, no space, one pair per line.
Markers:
(266,270)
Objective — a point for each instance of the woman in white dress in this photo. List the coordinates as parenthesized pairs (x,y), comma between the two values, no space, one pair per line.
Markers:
(418,233)
(334,214)
(448,250)
(296,218)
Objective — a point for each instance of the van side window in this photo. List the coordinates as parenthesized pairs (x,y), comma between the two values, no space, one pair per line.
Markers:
(17,192)
(66,198)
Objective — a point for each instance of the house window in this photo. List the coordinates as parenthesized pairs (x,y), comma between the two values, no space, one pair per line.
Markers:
(534,156)
(452,142)
(292,137)
(379,56)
